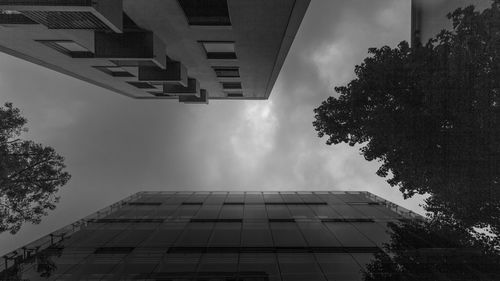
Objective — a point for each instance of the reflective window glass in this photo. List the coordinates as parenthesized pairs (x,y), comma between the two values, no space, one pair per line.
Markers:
(208,212)
(348,235)
(259,262)
(339,266)
(219,262)
(278,212)
(272,198)
(374,231)
(231,212)
(286,234)
(183,262)
(317,235)
(225,235)
(195,235)
(256,235)
(254,198)
(254,212)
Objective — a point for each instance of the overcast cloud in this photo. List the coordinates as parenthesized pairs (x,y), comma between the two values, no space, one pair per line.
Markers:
(115,146)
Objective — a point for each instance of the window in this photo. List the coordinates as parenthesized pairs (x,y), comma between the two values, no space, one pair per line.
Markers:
(227,71)
(142,85)
(206,13)
(68,47)
(129,220)
(296,203)
(348,220)
(231,85)
(115,71)
(216,220)
(114,250)
(219,50)
(235,95)
(145,203)
(281,220)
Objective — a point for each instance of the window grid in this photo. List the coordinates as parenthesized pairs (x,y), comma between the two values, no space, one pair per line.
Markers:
(112,240)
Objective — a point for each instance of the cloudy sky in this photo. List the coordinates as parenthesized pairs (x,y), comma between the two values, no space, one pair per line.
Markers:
(115,146)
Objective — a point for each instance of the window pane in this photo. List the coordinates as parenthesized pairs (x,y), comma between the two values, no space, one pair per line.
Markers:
(298,263)
(195,235)
(348,235)
(254,198)
(317,235)
(231,85)
(231,212)
(218,262)
(227,71)
(259,262)
(324,211)
(219,47)
(254,212)
(301,211)
(286,234)
(208,212)
(374,231)
(278,212)
(185,262)
(203,12)
(226,235)
(256,235)
(339,266)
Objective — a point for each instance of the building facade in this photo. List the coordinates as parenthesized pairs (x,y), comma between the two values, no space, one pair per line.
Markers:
(189,50)
(428,17)
(215,236)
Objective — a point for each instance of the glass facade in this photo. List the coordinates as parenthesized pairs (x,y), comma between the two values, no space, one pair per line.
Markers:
(215,236)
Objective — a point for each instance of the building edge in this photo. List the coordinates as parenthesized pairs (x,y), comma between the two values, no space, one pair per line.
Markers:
(298,12)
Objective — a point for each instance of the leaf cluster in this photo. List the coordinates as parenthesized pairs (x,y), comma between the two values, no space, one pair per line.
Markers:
(433,250)
(30,174)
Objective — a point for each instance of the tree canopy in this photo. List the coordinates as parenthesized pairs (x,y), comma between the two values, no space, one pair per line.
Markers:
(433,250)
(431,115)
(30,174)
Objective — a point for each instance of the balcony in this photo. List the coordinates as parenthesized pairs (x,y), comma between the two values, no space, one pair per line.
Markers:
(175,73)
(104,15)
(130,49)
(202,99)
(192,89)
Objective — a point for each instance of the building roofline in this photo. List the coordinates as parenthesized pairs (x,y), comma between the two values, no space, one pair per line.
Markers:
(295,19)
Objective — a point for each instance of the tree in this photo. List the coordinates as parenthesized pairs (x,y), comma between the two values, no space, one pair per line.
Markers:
(431,115)
(30,174)
(433,250)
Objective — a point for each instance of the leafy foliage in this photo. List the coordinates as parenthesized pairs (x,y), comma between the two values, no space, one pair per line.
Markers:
(30,174)
(431,116)
(433,250)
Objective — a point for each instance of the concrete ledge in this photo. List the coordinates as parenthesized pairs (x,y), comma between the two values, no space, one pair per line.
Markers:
(202,99)
(193,88)
(175,73)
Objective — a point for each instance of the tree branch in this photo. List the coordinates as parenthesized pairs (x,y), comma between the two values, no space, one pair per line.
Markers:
(28,168)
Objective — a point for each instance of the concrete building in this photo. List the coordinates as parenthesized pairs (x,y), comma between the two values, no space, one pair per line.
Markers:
(428,17)
(189,50)
(215,236)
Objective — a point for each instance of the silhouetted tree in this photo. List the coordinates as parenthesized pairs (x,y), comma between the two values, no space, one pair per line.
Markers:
(433,250)
(30,174)
(431,116)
